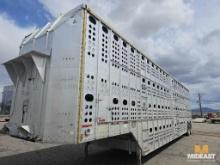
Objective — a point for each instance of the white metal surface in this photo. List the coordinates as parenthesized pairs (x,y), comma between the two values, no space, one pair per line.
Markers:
(90,83)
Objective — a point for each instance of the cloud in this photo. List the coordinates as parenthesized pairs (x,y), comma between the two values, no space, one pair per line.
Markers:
(140,18)
(56,7)
(10,39)
(145,17)
(210,91)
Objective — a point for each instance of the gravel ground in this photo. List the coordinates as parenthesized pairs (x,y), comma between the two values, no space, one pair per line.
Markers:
(20,152)
(206,127)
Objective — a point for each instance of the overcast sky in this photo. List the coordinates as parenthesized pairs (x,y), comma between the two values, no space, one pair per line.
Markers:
(183,36)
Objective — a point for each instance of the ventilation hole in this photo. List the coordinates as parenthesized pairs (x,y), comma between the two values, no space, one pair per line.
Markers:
(125,102)
(85,120)
(104,29)
(142,57)
(89,97)
(155,128)
(90,119)
(132,50)
(115,37)
(115,101)
(143,80)
(133,103)
(92,19)
(124,44)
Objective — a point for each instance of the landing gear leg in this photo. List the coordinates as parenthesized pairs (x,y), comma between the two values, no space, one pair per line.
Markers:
(189,129)
(139,156)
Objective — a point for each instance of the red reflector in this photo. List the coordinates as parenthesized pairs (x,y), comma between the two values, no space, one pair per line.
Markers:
(86,125)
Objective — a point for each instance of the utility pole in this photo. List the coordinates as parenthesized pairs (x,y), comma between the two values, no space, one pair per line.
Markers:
(200,104)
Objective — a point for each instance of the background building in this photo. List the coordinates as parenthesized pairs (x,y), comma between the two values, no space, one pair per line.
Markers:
(7,95)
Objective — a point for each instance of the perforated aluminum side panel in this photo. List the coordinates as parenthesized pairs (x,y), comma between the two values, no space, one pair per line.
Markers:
(130,92)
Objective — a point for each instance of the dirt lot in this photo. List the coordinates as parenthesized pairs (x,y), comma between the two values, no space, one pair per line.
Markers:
(20,152)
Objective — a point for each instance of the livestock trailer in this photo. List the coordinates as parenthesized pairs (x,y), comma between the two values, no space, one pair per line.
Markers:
(77,80)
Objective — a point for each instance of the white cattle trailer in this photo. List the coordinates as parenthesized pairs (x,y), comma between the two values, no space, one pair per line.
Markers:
(77,80)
